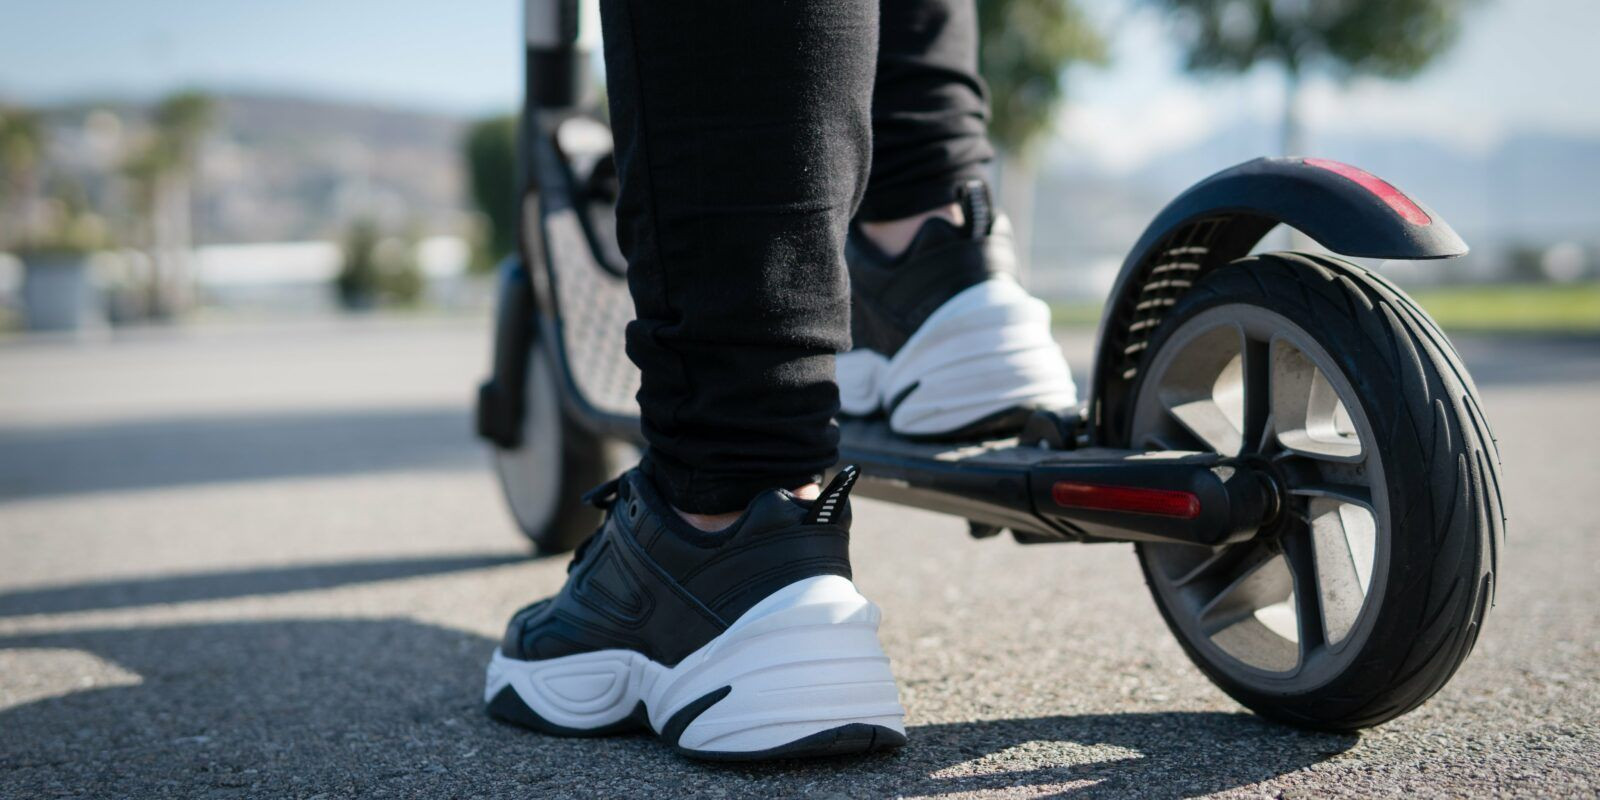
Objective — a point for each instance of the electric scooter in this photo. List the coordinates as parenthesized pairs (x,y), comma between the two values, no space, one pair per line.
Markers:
(1293,446)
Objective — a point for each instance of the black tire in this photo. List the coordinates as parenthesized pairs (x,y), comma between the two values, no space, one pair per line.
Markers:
(1442,474)
(544,489)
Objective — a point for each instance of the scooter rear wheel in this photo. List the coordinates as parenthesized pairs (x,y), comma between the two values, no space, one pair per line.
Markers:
(544,477)
(1369,589)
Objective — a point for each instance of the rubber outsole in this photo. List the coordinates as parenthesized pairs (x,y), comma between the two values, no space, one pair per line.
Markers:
(806,660)
(851,739)
(856,738)
(507,706)
(1000,424)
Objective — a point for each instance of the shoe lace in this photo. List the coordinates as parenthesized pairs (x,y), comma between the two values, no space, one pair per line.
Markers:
(602,497)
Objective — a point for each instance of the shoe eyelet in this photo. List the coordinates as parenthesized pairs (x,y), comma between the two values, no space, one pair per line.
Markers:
(633,510)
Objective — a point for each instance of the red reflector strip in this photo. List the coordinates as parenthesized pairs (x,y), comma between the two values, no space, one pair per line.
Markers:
(1162,502)
(1396,199)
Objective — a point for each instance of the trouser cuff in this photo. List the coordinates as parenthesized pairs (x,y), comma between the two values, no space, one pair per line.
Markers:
(708,492)
(909,198)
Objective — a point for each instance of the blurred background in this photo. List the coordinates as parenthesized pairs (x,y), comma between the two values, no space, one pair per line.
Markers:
(169,161)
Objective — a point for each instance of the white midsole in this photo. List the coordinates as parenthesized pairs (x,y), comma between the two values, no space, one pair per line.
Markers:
(804,660)
(987,349)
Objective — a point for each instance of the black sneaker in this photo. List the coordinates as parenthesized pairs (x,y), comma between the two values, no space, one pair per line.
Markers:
(947,344)
(746,643)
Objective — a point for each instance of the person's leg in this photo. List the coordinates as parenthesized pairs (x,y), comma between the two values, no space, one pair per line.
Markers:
(743,137)
(947,345)
(930,114)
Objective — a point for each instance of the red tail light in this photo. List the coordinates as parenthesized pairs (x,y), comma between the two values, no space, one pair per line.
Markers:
(1161,502)
(1396,199)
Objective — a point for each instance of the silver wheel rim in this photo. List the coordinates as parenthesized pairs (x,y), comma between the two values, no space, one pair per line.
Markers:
(1289,610)
(530,474)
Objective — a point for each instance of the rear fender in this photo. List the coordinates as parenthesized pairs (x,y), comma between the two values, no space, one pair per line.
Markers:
(1223,217)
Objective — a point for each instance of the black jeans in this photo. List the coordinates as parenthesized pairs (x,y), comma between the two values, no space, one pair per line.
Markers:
(746,132)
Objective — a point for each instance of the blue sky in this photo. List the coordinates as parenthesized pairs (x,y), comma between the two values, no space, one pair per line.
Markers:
(1523,65)
(457,56)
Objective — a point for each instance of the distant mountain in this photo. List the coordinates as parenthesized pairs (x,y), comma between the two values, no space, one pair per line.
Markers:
(281,168)
(262,120)
(285,168)
(1530,189)
(310,167)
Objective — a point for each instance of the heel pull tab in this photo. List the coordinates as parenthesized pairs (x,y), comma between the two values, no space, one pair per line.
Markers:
(828,505)
(977,206)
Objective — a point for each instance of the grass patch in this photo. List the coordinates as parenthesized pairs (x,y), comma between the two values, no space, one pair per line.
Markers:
(1076,314)
(1524,308)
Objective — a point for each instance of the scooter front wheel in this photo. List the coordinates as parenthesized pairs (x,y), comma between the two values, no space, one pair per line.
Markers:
(1368,590)
(545,475)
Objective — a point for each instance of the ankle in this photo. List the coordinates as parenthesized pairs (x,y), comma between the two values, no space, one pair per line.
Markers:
(894,236)
(716,522)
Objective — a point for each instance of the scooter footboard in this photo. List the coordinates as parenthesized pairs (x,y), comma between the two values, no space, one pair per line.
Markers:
(579,287)
(1086,495)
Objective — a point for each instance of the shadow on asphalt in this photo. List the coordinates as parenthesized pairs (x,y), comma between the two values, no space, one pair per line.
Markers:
(181,451)
(234,583)
(387,707)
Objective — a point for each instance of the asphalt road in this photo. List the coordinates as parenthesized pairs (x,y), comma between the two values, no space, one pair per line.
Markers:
(245,561)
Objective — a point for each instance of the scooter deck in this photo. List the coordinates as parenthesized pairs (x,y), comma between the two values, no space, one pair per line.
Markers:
(987,482)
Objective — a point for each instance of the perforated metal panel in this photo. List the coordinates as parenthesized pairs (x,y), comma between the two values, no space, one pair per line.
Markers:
(595,309)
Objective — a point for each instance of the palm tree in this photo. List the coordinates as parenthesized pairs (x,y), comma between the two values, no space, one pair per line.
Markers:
(162,174)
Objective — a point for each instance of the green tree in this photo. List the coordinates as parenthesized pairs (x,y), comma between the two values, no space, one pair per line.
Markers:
(1024,50)
(378,269)
(1025,47)
(490,149)
(21,152)
(1339,38)
(357,281)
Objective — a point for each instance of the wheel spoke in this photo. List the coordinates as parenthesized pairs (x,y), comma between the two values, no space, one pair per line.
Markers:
(1206,566)
(1308,417)
(1220,563)
(1255,372)
(1203,391)
(1343,532)
(1352,493)
(1298,552)
(1265,582)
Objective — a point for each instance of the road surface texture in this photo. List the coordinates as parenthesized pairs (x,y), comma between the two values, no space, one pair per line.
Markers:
(246,561)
